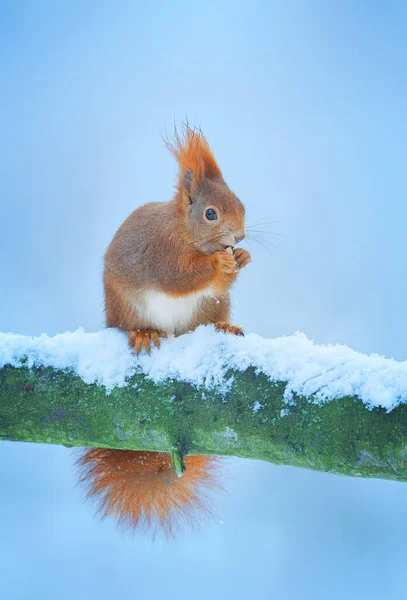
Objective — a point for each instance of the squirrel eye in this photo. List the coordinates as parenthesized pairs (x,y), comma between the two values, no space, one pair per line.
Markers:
(211,214)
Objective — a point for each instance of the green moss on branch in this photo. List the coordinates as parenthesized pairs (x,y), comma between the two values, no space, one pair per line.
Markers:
(341,436)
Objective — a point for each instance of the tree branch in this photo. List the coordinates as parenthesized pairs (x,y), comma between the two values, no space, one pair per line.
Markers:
(251,419)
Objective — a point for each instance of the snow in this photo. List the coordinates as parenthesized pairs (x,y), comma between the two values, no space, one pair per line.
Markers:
(204,357)
(257,406)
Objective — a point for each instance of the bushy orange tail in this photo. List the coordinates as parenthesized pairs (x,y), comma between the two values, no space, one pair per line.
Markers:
(142,491)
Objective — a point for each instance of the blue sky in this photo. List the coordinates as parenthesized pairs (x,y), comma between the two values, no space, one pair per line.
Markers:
(304,106)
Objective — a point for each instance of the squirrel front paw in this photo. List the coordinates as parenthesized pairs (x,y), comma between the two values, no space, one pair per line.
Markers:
(242,257)
(225,262)
(143,337)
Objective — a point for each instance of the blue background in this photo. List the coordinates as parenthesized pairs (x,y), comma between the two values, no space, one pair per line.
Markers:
(304,106)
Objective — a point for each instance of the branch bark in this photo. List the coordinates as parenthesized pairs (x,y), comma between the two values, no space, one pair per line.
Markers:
(341,436)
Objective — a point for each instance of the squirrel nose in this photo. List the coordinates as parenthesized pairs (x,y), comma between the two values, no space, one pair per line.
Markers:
(238,238)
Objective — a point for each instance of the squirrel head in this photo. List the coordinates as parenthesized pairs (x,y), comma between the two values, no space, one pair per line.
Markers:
(212,215)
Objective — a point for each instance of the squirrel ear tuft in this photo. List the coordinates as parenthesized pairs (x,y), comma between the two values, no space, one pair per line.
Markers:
(195,159)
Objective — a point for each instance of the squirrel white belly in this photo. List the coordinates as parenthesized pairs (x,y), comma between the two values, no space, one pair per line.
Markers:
(173,315)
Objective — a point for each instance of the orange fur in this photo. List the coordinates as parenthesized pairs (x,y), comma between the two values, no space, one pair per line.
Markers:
(192,153)
(142,491)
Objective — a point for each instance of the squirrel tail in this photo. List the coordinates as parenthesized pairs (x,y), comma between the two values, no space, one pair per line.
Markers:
(142,491)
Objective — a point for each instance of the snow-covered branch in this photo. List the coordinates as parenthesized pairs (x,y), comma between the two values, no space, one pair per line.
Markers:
(285,400)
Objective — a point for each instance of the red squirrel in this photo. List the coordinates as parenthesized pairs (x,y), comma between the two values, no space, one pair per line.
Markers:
(168,269)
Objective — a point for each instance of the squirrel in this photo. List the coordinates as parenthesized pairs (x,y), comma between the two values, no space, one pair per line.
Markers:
(168,269)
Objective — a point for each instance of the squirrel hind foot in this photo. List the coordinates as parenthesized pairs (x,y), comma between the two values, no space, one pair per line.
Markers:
(228,328)
(139,338)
